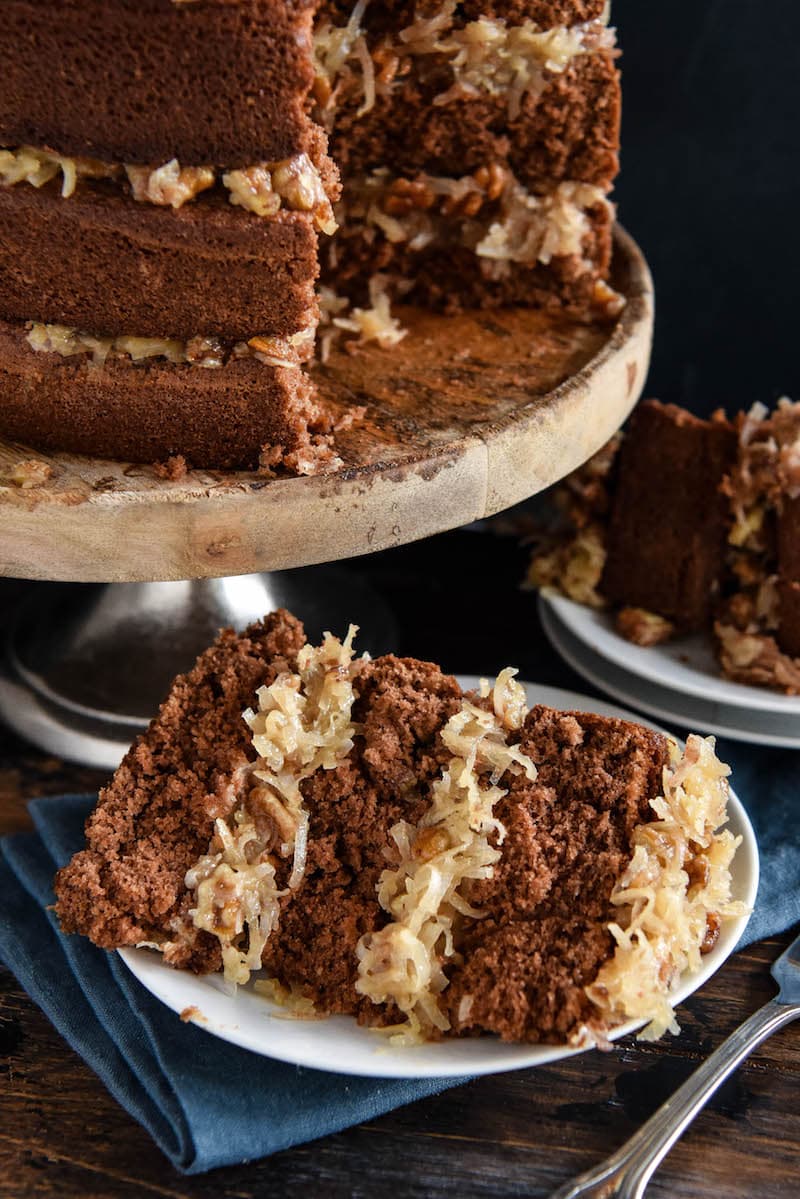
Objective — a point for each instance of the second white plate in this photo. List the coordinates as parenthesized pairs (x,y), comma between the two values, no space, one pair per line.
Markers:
(687,664)
(671,705)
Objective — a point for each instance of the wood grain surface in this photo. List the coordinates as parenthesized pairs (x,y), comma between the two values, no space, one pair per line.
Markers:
(518,1134)
(467,415)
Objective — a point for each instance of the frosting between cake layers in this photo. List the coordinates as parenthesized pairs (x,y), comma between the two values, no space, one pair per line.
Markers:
(262,188)
(203,351)
(457,840)
(489,212)
(485,57)
(303,724)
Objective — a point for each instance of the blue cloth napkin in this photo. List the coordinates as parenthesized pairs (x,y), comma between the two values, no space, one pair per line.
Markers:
(767,781)
(207,1103)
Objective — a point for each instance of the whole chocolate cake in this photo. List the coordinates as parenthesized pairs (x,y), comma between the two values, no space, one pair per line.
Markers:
(187,187)
(383,845)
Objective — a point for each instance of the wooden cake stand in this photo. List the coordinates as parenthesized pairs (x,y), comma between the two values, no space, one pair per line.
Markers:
(466,416)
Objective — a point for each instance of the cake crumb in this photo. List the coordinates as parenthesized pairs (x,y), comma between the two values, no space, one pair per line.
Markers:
(192,1014)
(643,627)
(31,472)
(173,469)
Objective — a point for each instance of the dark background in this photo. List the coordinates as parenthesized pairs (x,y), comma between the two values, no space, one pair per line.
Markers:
(710,188)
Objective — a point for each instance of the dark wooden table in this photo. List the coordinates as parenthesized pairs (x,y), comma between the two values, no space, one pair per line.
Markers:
(524,1133)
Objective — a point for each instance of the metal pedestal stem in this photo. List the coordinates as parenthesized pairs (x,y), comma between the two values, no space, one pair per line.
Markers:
(86,665)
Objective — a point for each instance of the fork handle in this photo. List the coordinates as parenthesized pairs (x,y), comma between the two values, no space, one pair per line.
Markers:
(627,1172)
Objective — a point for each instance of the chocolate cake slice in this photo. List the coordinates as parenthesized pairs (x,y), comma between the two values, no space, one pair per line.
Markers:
(684,525)
(383,845)
(667,534)
(144,81)
(157,272)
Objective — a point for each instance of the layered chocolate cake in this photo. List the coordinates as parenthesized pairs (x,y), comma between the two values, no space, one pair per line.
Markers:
(188,186)
(378,843)
(687,525)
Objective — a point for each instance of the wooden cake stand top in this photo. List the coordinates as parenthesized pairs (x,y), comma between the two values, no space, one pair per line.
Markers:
(466,416)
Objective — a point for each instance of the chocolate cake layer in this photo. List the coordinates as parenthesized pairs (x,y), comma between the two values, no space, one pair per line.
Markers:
(789,538)
(155,818)
(398,14)
(788,634)
(147,80)
(569,131)
(106,265)
(147,412)
(667,533)
(547,907)
(451,277)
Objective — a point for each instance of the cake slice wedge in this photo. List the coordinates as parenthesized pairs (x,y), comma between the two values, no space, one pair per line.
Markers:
(667,532)
(384,845)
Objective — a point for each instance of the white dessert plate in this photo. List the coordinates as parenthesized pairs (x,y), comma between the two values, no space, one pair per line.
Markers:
(339,1044)
(755,727)
(687,664)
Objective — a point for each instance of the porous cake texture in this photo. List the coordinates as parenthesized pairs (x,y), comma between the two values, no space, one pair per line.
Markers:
(380,844)
(208,171)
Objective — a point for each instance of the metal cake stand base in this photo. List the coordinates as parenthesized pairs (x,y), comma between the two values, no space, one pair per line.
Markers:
(86,665)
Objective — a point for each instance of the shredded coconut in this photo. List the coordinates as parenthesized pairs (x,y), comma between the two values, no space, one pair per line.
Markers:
(336,48)
(752,656)
(486,56)
(675,889)
(294,183)
(403,963)
(497,218)
(375,323)
(235,894)
(302,725)
(37,167)
(539,228)
(573,567)
(490,56)
(295,1005)
(206,352)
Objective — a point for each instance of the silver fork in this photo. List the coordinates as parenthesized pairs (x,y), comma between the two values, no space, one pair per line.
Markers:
(627,1172)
